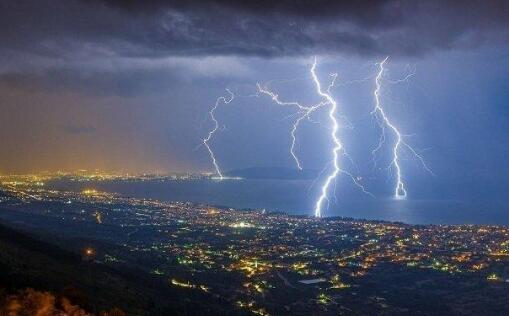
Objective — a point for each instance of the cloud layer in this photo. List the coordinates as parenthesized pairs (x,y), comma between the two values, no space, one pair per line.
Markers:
(256,28)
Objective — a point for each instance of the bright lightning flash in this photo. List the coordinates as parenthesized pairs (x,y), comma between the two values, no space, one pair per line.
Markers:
(337,144)
(303,111)
(383,120)
(206,140)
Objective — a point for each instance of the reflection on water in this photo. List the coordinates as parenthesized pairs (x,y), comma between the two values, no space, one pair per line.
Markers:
(298,197)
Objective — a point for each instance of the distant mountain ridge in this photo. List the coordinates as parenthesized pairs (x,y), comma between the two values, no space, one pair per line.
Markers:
(273,173)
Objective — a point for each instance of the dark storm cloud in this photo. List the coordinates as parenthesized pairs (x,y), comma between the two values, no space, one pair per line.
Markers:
(70,29)
(275,28)
(369,12)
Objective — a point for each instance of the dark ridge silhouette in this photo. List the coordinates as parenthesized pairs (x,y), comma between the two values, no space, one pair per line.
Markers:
(56,274)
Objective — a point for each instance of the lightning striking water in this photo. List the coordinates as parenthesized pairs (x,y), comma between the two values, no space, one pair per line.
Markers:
(206,140)
(304,112)
(400,191)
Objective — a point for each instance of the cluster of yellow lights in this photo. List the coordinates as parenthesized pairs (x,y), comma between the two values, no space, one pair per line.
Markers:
(212,211)
(89,252)
(258,287)
(252,267)
(299,266)
(324,299)
(250,305)
(242,225)
(337,284)
(245,304)
(479,266)
(189,285)
(464,257)
(98,217)
(89,192)
(493,277)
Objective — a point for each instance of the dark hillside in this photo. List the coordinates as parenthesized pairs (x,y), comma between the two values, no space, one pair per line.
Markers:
(27,262)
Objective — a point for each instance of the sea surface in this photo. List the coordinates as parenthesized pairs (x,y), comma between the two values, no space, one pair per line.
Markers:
(298,198)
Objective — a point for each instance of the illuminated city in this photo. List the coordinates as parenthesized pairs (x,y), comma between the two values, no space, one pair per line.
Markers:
(319,264)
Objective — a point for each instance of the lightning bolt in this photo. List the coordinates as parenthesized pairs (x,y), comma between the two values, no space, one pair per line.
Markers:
(303,113)
(383,120)
(206,140)
(337,144)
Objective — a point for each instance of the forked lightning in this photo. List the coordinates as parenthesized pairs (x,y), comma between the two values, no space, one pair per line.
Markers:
(303,111)
(400,191)
(207,139)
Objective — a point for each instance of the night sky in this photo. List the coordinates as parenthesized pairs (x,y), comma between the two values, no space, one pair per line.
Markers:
(126,85)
